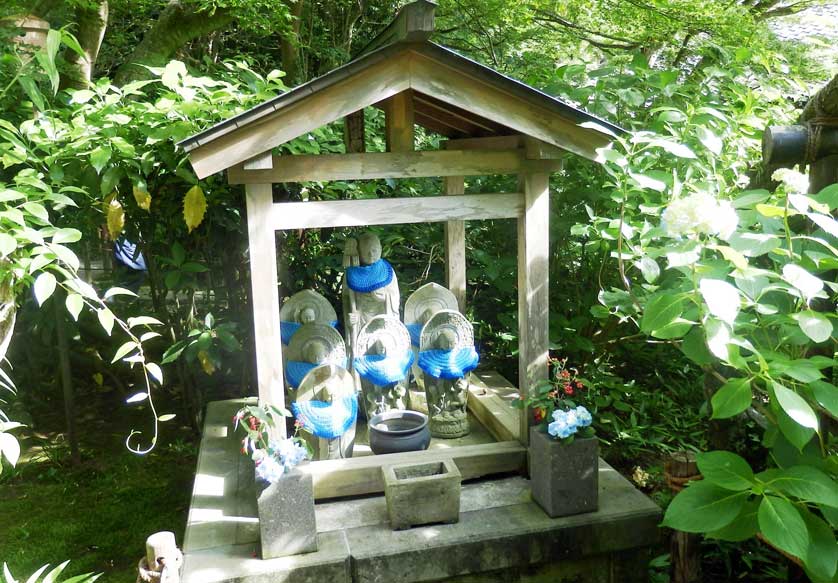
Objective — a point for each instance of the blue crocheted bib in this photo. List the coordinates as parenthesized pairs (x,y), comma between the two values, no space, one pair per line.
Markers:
(368,278)
(327,420)
(415,331)
(383,370)
(448,364)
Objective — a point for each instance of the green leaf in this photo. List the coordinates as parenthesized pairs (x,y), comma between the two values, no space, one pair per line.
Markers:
(648,182)
(722,299)
(814,325)
(782,526)
(731,399)
(795,406)
(703,507)
(675,329)
(166,417)
(822,553)
(695,348)
(827,395)
(66,235)
(808,284)
(9,448)
(8,244)
(106,319)
(44,286)
(119,291)
(679,150)
(36,209)
(663,309)
(805,482)
(726,470)
(743,527)
(649,269)
(31,88)
(795,433)
(143,321)
(754,244)
(710,140)
(154,371)
(99,158)
(74,303)
(172,73)
(124,350)
(136,398)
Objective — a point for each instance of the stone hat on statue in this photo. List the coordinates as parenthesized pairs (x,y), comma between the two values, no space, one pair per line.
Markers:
(317,343)
(384,354)
(423,304)
(449,327)
(307,306)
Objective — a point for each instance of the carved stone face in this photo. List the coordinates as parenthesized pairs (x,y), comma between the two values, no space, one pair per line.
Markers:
(369,248)
(307,316)
(378,347)
(446,340)
(315,352)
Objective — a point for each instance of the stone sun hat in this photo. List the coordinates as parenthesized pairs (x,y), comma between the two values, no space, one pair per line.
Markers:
(430,298)
(458,326)
(321,333)
(307,299)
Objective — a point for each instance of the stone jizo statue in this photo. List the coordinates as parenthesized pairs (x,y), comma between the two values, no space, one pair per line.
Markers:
(305,307)
(446,358)
(382,361)
(313,345)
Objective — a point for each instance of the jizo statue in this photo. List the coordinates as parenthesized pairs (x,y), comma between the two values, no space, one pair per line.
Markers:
(370,287)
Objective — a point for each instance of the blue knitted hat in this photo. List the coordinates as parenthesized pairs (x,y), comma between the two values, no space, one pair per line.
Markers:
(449,364)
(368,278)
(327,420)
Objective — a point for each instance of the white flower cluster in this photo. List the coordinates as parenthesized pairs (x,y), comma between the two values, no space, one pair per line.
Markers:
(794,181)
(700,213)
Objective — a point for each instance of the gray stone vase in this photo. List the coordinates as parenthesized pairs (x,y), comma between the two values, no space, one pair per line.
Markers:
(564,477)
(286,515)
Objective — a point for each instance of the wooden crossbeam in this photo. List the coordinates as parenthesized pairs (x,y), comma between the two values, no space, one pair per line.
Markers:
(376,165)
(394,211)
(362,475)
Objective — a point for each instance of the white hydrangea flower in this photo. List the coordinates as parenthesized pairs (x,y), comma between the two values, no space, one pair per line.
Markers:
(794,181)
(699,213)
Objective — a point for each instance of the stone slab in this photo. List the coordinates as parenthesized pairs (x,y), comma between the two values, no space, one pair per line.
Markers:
(502,534)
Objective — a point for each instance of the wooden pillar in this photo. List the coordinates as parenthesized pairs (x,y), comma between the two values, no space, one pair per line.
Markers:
(353,132)
(685,547)
(533,288)
(822,173)
(398,119)
(263,279)
(455,247)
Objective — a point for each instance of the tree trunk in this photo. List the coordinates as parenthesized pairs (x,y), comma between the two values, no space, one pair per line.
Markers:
(824,103)
(177,25)
(66,378)
(91,21)
(289,44)
(685,548)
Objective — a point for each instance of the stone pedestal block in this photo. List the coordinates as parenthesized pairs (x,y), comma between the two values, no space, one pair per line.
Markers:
(564,477)
(422,493)
(286,515)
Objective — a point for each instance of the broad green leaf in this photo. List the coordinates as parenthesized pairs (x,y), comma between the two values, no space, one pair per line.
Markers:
(166,417)
(44,286)
(9,448)
(115,218)
(99,158)
(155,372)
(822,552)
(782,526)
(82,96)
(731,399)
(36,209)
(676,329)
(703,507)
(119,291)
(754,244)
(679,150)
(74,303)
(136,398)
(194,207)
(106,319)
(695,348)
(805,482)
(143,320)
(66,235)
(795,406)
(743,527)
(815,325)
(710,140)
(124,350)
(8,244)
(172,73)
(827,395)
(663,309)
(808,284)
(795,433)
(735,257)
(649,268)
(722,299)
(726,470)
(648,182)
(718,338)
(142,197)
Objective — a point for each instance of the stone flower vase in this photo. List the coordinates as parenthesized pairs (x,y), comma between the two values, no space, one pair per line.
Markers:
(286,515)
(564,477)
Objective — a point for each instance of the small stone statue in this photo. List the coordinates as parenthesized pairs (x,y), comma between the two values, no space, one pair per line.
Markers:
(304,307)
(370,287)
(313,345)
(163,560)
(327,408)
(418,309)
(383,363)
(446,357)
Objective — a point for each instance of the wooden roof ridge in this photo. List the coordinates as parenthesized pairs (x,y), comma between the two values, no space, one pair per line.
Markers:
(428,69)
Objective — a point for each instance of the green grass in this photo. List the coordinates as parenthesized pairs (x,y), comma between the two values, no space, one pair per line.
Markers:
(99,514)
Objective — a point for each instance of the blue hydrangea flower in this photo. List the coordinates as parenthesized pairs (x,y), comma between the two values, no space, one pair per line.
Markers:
(583,416)
(290,453)
(269,469)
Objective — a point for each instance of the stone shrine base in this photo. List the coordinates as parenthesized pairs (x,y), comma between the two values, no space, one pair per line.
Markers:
(502,535)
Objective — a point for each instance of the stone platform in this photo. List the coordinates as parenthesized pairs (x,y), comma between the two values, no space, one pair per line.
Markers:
(502,535)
